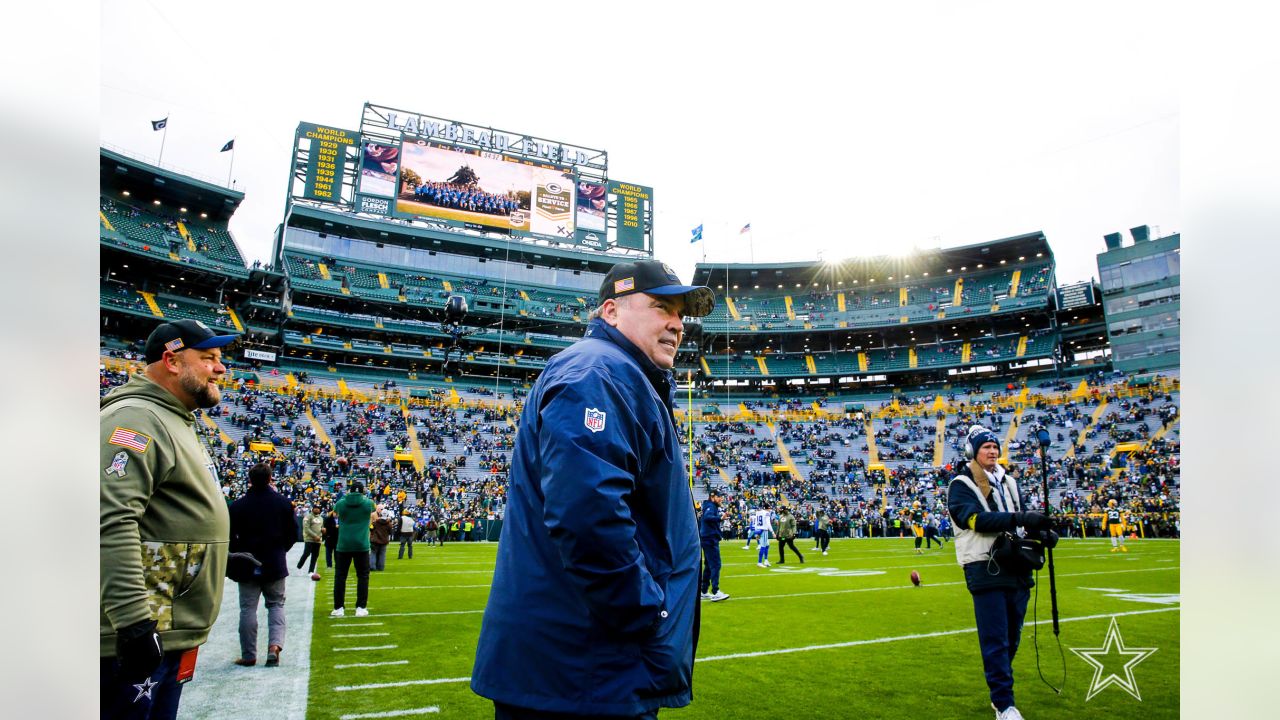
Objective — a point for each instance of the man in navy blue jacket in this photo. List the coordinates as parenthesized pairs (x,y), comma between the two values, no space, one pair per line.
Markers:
(594,605)
(709,535)
(263,525)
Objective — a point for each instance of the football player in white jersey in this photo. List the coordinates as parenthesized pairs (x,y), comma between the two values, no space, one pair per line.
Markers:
(762,525)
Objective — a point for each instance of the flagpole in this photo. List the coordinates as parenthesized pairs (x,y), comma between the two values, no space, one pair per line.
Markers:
(164,134)
(233,163)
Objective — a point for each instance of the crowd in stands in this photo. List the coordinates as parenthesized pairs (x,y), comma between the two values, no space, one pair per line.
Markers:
(467,451)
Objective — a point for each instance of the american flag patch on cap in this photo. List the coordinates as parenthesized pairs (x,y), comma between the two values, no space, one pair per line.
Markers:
(132,439)
(624,285)
(173,345)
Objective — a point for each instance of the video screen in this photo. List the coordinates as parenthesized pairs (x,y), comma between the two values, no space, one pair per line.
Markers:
(591,206)
(378,166)
(484,189)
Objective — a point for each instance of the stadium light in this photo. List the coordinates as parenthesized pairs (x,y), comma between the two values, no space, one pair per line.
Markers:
(962,268)
(1002,262)
(926,274)
(948,269)
(1039,254)
(125,193)
(182,209)
(757,287)
(735,287)
(979,266)
(204,215)
(1021,258)
(155,202)
(890,278)
(840,283)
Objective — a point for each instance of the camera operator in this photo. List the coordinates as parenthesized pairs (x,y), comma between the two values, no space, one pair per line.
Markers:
(984,505)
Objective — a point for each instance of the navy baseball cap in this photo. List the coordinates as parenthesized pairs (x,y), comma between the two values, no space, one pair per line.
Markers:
(656,278)
(181,335)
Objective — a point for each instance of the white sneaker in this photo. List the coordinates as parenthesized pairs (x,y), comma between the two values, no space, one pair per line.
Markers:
(719,595)
(361,612)
(746,547)
(706,596)
(1010,713)
(338,613)
(760,565)
(824,552)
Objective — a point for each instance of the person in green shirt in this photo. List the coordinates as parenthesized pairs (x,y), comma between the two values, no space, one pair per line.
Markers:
(355,512)
(787,535)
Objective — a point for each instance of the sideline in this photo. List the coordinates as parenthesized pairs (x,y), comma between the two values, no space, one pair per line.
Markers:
(222,689)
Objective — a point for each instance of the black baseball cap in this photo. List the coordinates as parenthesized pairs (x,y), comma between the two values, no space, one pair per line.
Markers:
(181,335)
(655,278)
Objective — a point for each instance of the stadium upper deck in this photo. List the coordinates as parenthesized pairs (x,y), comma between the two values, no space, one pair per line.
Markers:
(361,298)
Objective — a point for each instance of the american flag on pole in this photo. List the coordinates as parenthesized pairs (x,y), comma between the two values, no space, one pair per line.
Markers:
(132,439)
(745,229)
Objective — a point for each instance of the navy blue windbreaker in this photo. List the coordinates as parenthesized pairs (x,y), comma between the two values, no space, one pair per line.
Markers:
(594,603)
(709,523)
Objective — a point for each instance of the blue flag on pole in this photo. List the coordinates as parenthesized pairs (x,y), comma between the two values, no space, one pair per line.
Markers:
(697,235)
(159,124)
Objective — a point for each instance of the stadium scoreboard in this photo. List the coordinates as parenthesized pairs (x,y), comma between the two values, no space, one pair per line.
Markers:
(411,166)
(1076,295)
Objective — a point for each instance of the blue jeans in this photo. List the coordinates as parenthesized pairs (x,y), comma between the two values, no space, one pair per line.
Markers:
(710,564)
(132,699)
(999,614)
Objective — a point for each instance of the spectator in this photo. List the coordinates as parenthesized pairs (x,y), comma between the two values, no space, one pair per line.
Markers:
(263,526)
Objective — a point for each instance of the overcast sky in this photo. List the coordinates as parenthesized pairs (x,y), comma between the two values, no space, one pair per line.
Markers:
(835,131)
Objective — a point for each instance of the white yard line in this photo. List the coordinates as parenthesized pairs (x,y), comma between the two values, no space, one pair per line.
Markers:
(367,647)
(374,634)
(918,636)
(945,584)
(436,612)
(393,713)
(406,683)
(427,587)
(372,664)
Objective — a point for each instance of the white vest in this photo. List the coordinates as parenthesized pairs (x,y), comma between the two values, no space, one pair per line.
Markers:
(974,546)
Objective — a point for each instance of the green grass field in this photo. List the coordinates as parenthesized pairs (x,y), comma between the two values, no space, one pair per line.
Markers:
(842,636)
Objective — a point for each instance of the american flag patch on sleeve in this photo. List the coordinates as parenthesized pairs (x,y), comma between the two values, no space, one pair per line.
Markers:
(132,439)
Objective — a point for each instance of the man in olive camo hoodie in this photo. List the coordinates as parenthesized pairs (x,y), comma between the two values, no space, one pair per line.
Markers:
(164,524)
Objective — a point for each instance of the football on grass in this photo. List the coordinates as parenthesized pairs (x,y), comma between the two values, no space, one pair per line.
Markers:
(315,576)
(915,577)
